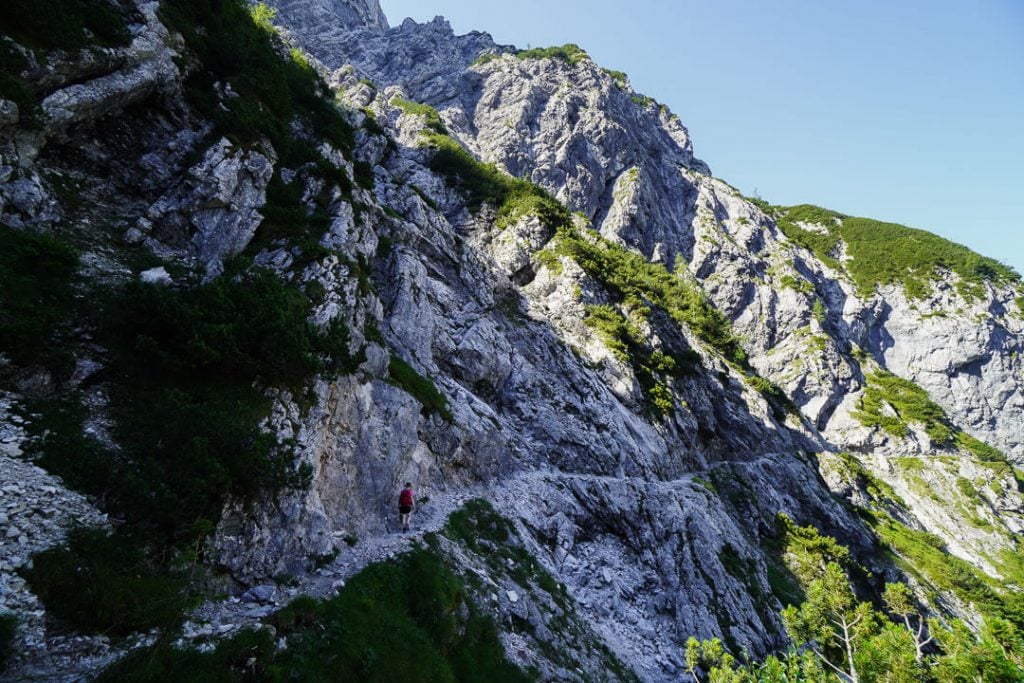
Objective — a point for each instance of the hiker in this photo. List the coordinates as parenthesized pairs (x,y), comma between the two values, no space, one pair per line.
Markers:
(405,506)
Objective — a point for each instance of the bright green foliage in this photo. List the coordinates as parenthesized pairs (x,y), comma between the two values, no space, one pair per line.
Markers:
(831,621)
(908,403)
(64,24)
(99,582)
(807,553)
(819,311)
(887,253)
(619,77)
(569,53)
(625,340)
(799,284)
(36,298)
(891,402)
(485,58)
(411,108)
(422,389)
(406,620)
(628,274)
(1020,304)
(841,639)
(994,655)
(925,556)
(487,184)
(8,633)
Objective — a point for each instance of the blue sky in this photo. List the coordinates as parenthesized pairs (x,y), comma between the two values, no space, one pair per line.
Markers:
(908,111)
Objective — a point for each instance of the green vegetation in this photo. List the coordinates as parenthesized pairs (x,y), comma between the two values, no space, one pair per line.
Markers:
(188,370)
(404,376)
(836,637)
(485,58)
(798,284)
(483,531)
(36,299)
(275,96)
(624,339)
(433,118)
(410,619)
(64,24)
(15,88)
(887,253)
(104,583)
(569,53)
(907,402)
(8,634)
(891,402)
(641,285)
(620,77)
(924,556)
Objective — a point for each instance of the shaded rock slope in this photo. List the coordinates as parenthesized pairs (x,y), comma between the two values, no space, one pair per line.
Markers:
(546,301)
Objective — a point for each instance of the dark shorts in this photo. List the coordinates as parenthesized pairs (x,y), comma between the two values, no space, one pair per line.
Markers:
(404,509)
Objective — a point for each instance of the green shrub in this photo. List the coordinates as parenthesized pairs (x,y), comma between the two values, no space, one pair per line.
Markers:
(8,634)
(410,619)
(99,582)
(569,53)
(925,556)
(15,88)
(432,117)
(404,376)
(274,92)
(651,366)
(64,24)
(36,298)
(909,402)
(887,253)
(619,77)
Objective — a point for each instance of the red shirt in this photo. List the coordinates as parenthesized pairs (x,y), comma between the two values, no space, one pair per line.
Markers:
(405,498)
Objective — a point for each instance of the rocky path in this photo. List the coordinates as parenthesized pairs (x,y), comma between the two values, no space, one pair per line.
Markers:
(226,616)
(35,513)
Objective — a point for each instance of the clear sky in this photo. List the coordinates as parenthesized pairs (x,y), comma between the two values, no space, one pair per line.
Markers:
(910,111)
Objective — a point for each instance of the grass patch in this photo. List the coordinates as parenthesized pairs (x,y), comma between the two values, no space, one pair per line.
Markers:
(620,77)
(405,377)
(105,583)
(888,253)
(410,619)
(570,53)
(925,556)
(36,299)
(430,115)
(652,367)
(891,402)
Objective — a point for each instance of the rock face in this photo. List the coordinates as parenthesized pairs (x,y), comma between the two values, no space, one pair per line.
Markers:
(660,525)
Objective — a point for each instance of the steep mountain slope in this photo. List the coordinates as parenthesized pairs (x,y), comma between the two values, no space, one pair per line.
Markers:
(640,387)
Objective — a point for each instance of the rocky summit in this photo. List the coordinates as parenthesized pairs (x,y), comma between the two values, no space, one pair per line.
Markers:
(262,264)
